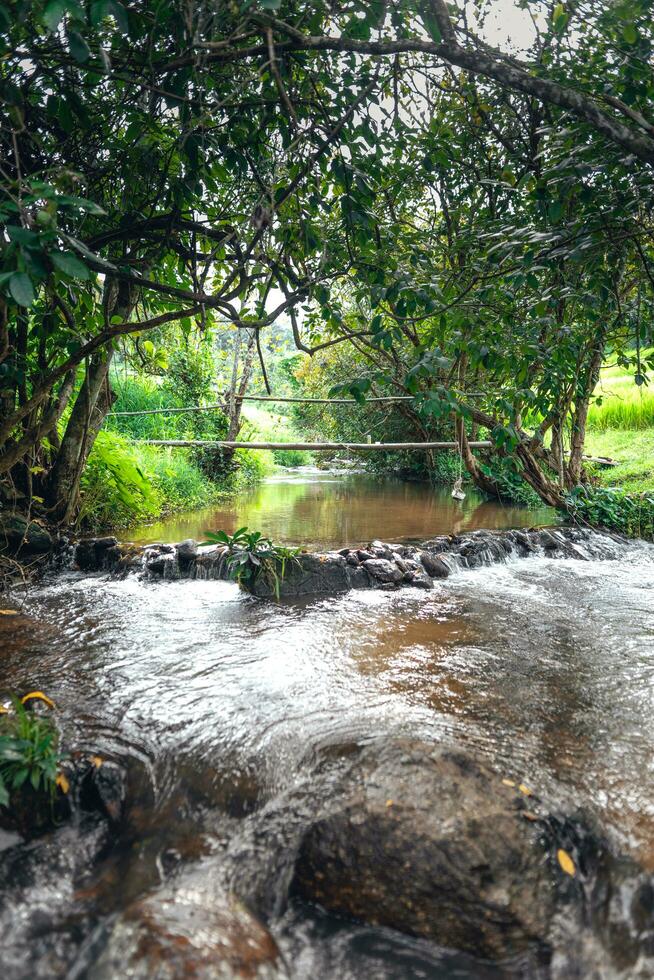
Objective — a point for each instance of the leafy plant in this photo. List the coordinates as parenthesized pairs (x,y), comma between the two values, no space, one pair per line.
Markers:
(29,752)
(250,555)
(115,489)
(609,507)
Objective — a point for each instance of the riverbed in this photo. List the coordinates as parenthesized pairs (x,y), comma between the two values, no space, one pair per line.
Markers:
(216,703)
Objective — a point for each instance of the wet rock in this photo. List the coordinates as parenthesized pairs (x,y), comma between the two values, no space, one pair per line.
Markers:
(420,580)
(441,543)
(42,914)
(383,570)
(189,928)
(161,560)
(424,839)
(187,552)
(363,555)
(352,560)
(32,813)
(20,536)
(97,554)
(307,575)
(103,789)
(434,565)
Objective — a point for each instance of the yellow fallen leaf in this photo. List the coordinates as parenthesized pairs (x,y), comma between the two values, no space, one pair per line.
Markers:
(508,782)
(62,782)
(8,612)
(566,862)
(97,760)
(525,789)
(389,803)
(38,696)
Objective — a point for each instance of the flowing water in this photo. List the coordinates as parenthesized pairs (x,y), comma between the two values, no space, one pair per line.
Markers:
(217,701)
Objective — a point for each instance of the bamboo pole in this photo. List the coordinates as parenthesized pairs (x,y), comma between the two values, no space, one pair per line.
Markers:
(262,398)
(312,446)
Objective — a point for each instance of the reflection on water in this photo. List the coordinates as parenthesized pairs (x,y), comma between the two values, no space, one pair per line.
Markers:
(323,510)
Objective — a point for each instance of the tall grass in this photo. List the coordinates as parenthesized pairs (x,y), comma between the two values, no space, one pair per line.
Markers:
(260,425)
(623,408)
(144,394)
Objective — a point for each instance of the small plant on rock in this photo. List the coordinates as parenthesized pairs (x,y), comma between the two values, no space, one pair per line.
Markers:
(250,555)
(29,750)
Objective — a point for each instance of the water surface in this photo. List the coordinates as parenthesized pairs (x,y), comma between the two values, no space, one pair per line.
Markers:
(542,667)
(320,509)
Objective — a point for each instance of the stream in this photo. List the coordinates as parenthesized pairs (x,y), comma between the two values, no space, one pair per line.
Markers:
(216,703)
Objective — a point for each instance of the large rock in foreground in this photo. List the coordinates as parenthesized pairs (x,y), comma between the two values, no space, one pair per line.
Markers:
(425,840)
(189,928)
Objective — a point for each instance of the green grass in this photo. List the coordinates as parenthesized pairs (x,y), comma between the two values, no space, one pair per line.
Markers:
(263,425)
(634,452)
(623,403)
(622,427)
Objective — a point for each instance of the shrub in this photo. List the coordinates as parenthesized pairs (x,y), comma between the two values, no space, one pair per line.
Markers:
(252,466)
(250,556)
(29,752)
(176,478)
(134,394)
(510,482)
(115,490)
(630,513)
(292,457)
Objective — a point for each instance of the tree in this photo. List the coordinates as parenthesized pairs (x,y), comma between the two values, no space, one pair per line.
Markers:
(268,140)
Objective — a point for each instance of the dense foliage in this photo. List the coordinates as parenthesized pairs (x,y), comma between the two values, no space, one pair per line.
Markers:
(472,226)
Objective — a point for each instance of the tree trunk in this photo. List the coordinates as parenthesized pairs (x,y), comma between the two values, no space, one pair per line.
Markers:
(83,426)
(578,437)
(479,478)
(93,401)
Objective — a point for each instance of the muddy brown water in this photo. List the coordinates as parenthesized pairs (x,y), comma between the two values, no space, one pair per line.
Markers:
(324,510)
(543,667)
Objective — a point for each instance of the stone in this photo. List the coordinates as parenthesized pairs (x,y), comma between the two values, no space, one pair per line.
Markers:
(190,928)
(383,570)
(352,560)
(104,790)
(421,580)
(434,565)
(424,839)
(187,551)
(97,554)
(20,536)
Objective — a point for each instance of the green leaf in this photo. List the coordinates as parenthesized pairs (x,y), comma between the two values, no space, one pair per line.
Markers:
(69,264)
(53,13)
(431,25)
(19,778)
(271,4)
(78,46)
(21,288)
(629,33)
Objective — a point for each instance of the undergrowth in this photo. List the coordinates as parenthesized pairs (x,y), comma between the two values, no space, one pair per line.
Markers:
(29,752)
(614,508)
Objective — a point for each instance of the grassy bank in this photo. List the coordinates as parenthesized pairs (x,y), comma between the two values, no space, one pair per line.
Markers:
(621,426)
(126,482)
